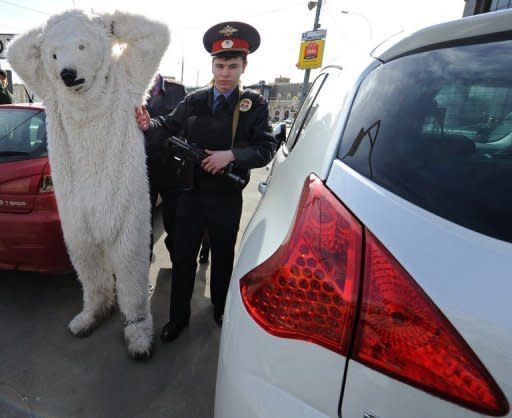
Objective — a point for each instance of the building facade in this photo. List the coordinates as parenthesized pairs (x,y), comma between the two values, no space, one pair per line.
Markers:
(284,98)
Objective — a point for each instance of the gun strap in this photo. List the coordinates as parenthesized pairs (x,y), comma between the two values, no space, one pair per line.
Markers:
(236,116)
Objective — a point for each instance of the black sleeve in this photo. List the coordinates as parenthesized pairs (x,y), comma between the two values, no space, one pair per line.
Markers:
(163,127)
(261,145)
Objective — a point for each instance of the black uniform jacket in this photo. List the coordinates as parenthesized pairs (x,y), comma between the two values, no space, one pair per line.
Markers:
(170,95)
(253,145)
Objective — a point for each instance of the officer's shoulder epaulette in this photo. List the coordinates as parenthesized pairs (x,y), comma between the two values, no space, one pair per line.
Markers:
(199,94)
(255,96)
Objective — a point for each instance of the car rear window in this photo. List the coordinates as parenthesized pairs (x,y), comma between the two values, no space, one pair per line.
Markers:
(436,129)
(22,134)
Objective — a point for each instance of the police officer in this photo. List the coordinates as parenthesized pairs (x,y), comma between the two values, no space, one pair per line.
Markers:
(163,98)
(232,126)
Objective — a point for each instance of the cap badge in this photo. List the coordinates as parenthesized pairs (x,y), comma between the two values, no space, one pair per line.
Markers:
(227,43)
(245,105)
(228,31)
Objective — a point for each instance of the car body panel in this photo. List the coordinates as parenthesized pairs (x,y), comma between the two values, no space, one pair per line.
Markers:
(15,171)
(33,242)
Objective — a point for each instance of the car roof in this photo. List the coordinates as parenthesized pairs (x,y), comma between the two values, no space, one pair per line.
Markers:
(444,34)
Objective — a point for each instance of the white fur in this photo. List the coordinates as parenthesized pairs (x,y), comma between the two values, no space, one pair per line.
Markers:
(96,152)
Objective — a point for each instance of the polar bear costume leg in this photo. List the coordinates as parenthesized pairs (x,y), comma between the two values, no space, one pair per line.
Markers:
(98,287)
(132,291)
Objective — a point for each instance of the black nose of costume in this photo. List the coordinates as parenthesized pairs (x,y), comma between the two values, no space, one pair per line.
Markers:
(68,76)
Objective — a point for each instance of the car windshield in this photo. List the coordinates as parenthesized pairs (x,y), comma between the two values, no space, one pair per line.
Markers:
(22,134)
(436,129)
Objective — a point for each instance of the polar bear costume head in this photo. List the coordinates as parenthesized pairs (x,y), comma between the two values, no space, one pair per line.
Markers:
(75,51)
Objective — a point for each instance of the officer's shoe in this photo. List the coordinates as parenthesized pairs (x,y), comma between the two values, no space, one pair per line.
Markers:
(171,331)
(218,316)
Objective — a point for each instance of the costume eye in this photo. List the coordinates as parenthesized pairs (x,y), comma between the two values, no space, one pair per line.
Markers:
(54,56)
(81,47)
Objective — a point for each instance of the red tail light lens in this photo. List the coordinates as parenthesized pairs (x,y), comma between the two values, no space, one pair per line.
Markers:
(45,200)
(404,335)
(46,185)
(308,289)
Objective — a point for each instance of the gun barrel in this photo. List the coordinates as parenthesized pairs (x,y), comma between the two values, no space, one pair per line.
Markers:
(234,177)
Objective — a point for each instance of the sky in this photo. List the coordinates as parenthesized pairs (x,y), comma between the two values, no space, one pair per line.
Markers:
(280,23)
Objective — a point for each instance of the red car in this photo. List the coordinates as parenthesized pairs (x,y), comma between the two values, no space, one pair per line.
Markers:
(30,232)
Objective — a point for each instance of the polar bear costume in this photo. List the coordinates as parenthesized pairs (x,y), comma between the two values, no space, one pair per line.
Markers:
(96,153)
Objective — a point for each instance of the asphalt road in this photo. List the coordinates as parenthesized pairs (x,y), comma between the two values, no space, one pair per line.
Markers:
(46,372)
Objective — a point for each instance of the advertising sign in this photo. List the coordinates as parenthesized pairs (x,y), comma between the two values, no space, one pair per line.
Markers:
(312,49)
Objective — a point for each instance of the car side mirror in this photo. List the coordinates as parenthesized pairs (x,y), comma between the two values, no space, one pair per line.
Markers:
(279,132)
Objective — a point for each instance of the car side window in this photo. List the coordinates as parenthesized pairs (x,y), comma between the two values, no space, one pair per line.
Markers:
(306,112)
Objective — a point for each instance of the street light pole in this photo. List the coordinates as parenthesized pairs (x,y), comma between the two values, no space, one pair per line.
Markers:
(317,15)
(316,25)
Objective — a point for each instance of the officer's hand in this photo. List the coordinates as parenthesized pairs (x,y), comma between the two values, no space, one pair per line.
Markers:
(142,118)
(217,160)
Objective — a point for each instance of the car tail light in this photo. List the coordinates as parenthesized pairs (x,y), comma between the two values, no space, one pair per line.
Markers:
(309,289)
(404,335)
(46,185)
(45,200)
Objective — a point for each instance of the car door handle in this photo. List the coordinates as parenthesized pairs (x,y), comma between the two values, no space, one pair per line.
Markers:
(262,187)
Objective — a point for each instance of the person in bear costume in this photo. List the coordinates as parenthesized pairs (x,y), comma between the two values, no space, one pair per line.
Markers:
(90,88)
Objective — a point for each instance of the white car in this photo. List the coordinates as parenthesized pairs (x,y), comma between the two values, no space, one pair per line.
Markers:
(375,277)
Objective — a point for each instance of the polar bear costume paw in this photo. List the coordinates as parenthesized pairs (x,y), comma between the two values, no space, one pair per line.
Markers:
(83,324)
(138,335)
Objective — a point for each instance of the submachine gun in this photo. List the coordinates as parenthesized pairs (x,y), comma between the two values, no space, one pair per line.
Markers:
(194,154)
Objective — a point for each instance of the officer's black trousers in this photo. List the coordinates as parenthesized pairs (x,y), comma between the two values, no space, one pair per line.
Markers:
(218,214)
(168,214)
(161,181)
